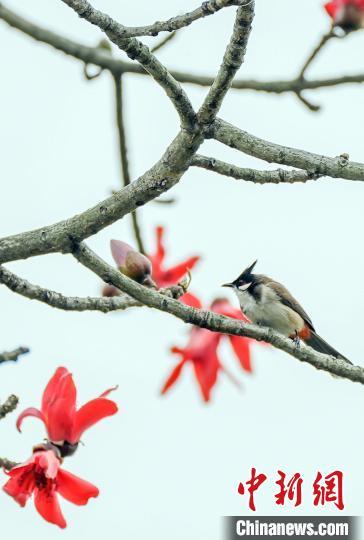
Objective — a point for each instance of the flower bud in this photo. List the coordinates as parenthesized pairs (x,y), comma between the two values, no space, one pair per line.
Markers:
(131,263)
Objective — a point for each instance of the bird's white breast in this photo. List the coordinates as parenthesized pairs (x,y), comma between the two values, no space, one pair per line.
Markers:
(268,310)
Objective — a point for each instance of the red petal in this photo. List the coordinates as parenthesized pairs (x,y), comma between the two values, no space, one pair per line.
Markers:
(20,486)
(206,374)
(51,388)
(62,409)
(161,252)
(91,413)
(176,372)
(74,489)
(47,504)
(331,9)
(191,300)
(241,348)
(175,273)
(31,411)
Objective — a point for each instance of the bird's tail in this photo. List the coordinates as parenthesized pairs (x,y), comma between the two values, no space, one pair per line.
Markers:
(320,345)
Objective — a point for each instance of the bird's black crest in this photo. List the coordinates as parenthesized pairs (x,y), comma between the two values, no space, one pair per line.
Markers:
(246,275)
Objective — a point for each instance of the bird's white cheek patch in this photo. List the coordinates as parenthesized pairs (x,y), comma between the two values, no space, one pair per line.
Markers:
(244,287)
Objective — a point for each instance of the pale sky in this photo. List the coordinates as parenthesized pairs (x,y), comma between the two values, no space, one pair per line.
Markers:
(169,468)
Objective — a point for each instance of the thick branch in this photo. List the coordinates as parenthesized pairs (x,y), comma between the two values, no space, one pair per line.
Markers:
(140,52)
(278,176)
(8,406)
(62,235)
(57,300)
(13,356)
(72,303)
(213,321)
(233,59)
(98,57)
(94,16)
(339,167)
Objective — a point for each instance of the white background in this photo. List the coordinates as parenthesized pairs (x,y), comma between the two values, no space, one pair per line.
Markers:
(169,467)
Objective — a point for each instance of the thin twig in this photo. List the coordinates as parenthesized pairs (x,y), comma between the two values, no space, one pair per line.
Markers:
(8,406)
(13,356)
(278,176)
(136,50)
(163,42)
(98,57)
(125,171)
(7,464)
(311,106)
(324,39)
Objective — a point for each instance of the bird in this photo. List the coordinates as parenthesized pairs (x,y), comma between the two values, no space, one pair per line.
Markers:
(266,302)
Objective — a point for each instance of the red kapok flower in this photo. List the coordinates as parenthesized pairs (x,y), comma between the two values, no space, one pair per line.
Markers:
(149,270)
(42,476)
(164,277)
(65,425)
(202,351)
(347,14)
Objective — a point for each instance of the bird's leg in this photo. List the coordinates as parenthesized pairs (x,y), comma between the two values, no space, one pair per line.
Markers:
(296,340)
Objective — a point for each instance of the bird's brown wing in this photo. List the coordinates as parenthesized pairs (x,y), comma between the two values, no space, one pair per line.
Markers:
(288,300)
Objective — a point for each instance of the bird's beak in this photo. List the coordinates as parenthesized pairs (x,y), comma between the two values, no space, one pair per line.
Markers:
(228,285)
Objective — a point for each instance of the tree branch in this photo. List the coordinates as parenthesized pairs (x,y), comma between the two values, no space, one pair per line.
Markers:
(233,59)
(61,236)
(13,356)
(94,16)
(163,42)
(324,39)
(98,57)
(213,321)
(120,124)
(339,167)
(278,176)
(8,406)
(7,464)
(140,52)
(71,303)
(57,300)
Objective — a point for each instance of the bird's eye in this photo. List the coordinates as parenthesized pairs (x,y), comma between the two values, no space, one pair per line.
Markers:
(244,286)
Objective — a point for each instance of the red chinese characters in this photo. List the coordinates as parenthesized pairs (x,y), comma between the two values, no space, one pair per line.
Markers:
(255,481)
(329,489)
(292,489)
(326,490)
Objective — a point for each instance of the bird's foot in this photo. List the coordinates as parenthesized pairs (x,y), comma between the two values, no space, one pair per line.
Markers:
(296,340)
